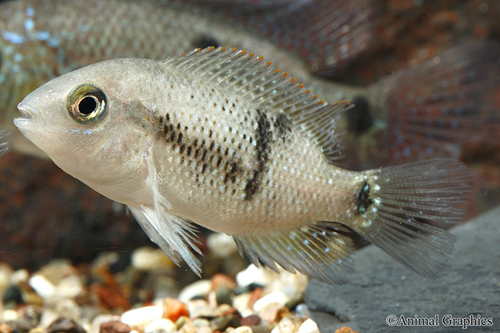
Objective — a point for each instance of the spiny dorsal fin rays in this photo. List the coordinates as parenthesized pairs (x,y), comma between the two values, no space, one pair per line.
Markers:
(251,77)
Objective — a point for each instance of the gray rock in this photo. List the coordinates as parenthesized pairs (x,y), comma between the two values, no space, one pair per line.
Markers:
(381,287)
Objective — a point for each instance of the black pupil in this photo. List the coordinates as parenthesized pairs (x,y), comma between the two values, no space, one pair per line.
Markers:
(87,105)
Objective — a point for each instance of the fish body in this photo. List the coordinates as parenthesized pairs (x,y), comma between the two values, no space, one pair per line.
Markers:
(219,138)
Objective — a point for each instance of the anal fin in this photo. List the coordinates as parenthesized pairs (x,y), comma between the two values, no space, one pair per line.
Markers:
(321,250)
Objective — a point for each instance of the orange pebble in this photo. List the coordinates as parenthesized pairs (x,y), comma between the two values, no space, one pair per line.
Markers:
(173,309)
(345,329)
(219,280)
(256,295)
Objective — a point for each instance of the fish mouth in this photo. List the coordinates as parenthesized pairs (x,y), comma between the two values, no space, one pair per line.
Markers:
(29,114)
(27,111)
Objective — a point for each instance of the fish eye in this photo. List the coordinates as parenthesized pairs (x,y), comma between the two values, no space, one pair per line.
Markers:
(87,104)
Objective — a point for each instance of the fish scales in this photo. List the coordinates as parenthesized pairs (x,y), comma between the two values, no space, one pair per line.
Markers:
(219,138)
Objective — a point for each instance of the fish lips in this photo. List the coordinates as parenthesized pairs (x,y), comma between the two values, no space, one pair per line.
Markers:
(29,115)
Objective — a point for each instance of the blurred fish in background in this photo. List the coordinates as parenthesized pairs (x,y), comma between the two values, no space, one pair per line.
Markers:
(436,108)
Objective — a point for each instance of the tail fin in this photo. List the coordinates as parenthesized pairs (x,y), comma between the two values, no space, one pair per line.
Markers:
(436,108)
(404,200)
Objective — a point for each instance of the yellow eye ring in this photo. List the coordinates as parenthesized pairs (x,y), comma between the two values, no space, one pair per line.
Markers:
(87,104)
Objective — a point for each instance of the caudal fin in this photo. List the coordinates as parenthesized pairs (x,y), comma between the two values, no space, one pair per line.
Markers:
(402,203)
(436,108)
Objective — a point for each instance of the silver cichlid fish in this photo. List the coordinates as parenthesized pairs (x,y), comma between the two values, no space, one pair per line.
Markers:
(219,138)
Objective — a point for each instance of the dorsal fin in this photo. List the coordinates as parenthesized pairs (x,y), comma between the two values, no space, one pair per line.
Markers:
(251,77)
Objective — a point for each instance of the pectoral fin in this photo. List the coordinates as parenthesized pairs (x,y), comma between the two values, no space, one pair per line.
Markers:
(173,234)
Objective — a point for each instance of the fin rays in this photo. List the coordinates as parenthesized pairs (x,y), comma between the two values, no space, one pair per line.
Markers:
(316,250)
(408,199)
(250,77)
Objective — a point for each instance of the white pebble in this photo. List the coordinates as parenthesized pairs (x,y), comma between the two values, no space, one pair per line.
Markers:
(161,326)
(199,288)
(274,297)
(149,259)
(142,316)
(20,276)
(221,245)
(68,308)
(48,317)
(243,329)
(240,303)
(308,326)
(9,315)
(70,287)
(255,275)
(43,287)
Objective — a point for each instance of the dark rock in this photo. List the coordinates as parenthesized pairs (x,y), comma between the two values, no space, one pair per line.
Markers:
(251,287)
(382,287)
(223,296)
(65,325)
(114,326)
(13,295)
(21,325)
(222,323)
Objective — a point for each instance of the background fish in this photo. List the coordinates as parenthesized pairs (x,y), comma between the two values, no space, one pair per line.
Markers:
(44,39)
(219,138)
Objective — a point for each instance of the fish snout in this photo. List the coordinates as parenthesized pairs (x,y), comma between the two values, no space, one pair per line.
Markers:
(27,111)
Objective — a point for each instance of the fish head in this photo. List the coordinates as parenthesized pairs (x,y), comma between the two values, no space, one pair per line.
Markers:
(90,123)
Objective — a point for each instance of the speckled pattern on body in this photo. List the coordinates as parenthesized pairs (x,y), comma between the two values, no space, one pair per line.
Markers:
(221,138)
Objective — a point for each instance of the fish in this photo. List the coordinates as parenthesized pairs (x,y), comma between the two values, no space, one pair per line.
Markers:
(218,138)
(42,39)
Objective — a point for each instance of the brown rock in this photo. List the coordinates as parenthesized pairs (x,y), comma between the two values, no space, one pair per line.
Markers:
(65,325)
(250,320)
(5,328)
(109,298)
(222,280)
(114,326)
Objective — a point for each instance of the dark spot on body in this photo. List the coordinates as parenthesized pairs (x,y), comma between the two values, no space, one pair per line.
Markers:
(359,118)
(283,127)
(263,137)
(363,200)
